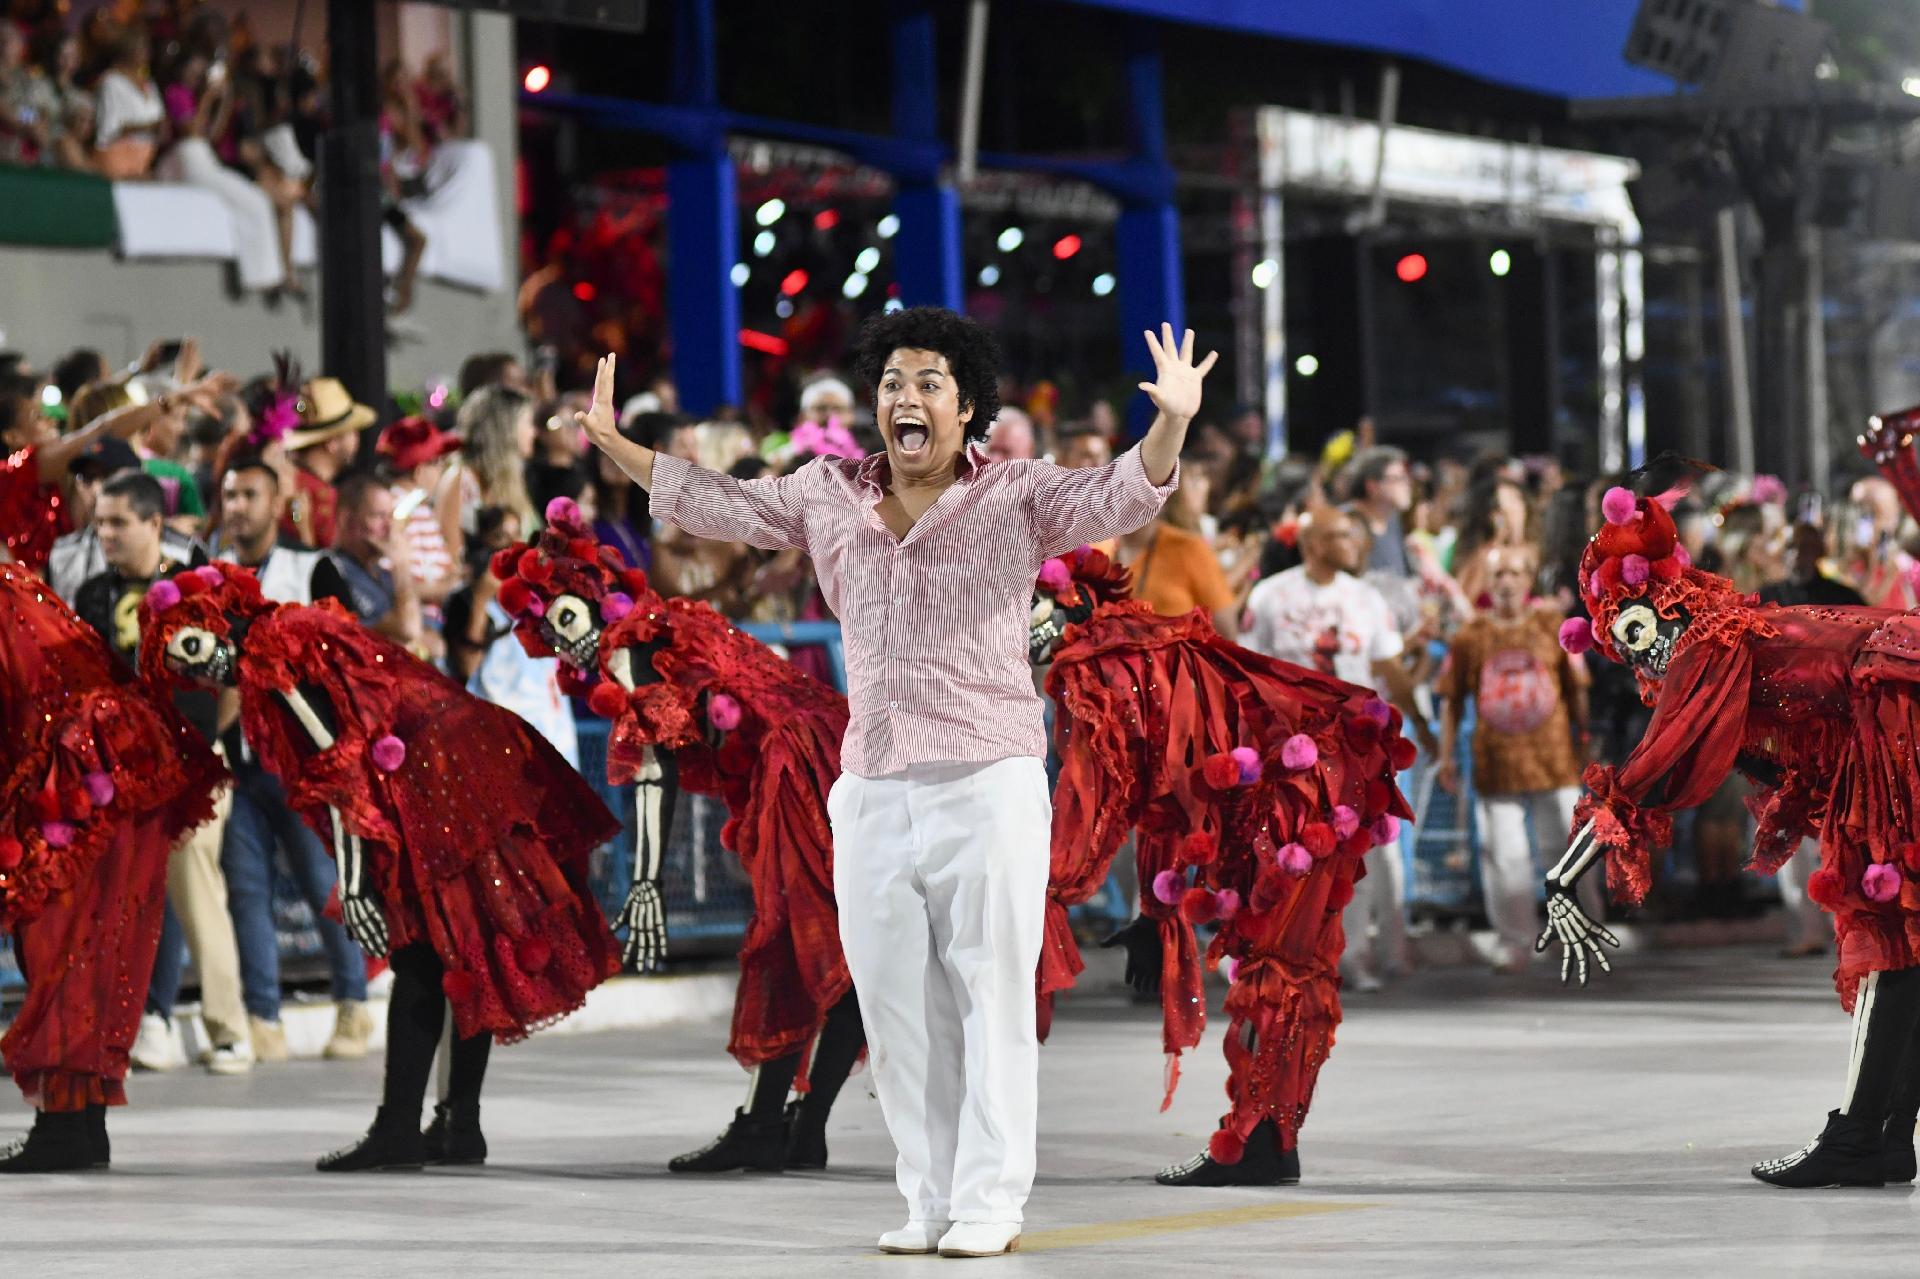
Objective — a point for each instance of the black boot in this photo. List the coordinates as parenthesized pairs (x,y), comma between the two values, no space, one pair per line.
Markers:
(57,1142)
(392,1144)
(806,1138)
(97,1136)
(454,1136)
(1896,1151)
(756,1144)
(1264,1163)
(1847,1153)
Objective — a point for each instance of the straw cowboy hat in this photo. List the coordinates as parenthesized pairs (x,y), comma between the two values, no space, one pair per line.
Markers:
(326,410)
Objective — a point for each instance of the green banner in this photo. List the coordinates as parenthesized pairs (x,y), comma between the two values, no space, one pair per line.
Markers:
(52,208)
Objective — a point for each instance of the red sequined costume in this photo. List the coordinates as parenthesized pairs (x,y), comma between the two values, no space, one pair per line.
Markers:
(1818,706)
(33,514)
(743,725)
(101,780)
(478,833)
(1255,788)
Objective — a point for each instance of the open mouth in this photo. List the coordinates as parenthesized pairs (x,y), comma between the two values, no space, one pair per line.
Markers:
(911,438)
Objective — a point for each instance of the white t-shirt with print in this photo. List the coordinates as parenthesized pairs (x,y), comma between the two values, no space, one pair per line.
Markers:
(1342,628)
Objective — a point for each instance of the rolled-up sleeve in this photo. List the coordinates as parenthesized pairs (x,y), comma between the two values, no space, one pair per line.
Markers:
(768,513)
(1071,508)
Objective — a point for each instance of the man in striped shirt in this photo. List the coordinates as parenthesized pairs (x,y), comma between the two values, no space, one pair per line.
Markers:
(928,553)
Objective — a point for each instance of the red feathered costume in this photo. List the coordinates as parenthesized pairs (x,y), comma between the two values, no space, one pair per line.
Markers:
(478,834)
(1255,788)
(33,514)
(102,779)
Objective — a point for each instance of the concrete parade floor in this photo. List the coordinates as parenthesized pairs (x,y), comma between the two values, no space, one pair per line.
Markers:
(1466,1124)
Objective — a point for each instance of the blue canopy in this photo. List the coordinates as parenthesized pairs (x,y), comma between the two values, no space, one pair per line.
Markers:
(1566,48)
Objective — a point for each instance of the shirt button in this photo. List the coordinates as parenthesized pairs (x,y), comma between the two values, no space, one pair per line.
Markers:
(893,705)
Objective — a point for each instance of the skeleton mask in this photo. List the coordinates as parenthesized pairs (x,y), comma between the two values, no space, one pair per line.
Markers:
(200,655)
(1048,621)
(573,626)
(1644,638)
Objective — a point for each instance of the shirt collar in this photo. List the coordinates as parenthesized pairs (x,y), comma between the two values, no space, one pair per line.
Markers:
(875,472)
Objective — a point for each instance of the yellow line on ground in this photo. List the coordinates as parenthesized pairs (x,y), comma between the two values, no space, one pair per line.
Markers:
(1140,1227)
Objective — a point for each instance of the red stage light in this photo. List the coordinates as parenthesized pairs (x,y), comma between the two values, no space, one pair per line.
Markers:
(826,219)
(1066,246)
(1411,268)
(539,76)
(796,280)
(585,291)
(754,340)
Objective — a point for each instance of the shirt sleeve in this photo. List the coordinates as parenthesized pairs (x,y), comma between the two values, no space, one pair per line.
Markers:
(1070,508)
(768,513)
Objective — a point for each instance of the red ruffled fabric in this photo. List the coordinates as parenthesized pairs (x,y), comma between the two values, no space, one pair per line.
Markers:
(773,773)
(1143,702)
(478,842)
(33,515)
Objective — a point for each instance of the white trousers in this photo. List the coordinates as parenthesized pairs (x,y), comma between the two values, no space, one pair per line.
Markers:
(256,233)
(941,875)
(1379,900)
(1510,874)
(1807,923)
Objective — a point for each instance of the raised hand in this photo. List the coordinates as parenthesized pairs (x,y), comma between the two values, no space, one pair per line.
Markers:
(1175,389)
(599,421)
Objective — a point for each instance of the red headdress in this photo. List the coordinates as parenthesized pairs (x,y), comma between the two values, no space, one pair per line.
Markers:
(1084,576)
(566,559)
(212,598)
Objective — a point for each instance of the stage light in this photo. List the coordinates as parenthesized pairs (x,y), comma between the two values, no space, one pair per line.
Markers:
(49,395)
(1011,238)
(740,274)
(826,220)
(894,304)
(1411,268)
(796,280)
(585,291)
(784,308)
(770,212)
(766,343)
(855,285)
(763,244)
(1265,272)
(1307,365)
(1501,262)
(539,76)
(889,227)
(867,259)
(1066,246)
(437,397)
(1911,85)
(989,275)
(1103,284)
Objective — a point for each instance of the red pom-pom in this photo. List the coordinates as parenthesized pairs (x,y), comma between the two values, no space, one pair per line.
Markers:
(635,581)
(515,596)
(534,567)
(1199,849)
(532,952)
(1197,906)
(607,700)
(1402,754)
(1668,569)
(584,548)
(459,985)
(1221,771)
(1823,886)
(1226,1146)
(1340,895)
(1319,839)
(190,585)
(503,562)
(11,851)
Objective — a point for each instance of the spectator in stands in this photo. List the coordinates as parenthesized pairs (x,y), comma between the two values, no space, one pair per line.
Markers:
(250,500)
(822,399)
(1495,513)
(1530,699)
(322,447)
(1381,493)
(22,132)
(76,369)
(1083,446)
(128,114)
(1011,436)
(491,368)
(371,554)
(1175,570)
(62,109)
(127,517)
(620,509)
(200,108)
(557,466)
(155,445)
(265,147)
(403,162)
(425,503)
(497,430)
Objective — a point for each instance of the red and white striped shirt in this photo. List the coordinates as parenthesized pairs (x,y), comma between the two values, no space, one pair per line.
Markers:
(935,624)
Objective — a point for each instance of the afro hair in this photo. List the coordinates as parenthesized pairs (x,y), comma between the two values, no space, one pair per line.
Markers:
(971,353)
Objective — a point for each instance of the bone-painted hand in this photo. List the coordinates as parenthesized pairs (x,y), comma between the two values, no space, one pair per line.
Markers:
(645,918)
(360,909)
(1578,935)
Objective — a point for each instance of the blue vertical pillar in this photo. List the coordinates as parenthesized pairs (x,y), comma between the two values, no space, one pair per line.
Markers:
(926,253)
(703,305)
(1147,240)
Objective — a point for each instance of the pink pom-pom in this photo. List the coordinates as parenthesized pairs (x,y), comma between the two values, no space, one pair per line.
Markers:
(1299,752)
(100,788)
(1226,904)
(1881,883)
(1230,968)
(57,834)
(563,510)
(1618,505)
(211,575)
(1055,576)
(1634,570)
(1167,887)
(1345,821)
(1295,859)
(536,607)
(1768,490)
(389,753)
(1249,761)
(1576,635)
(1377,711)
(723,712)
(162,595)
(1681,557)
(1386,829)
(615,606)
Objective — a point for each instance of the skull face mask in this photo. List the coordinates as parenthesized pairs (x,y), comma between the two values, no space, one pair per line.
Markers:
(573,626)
(1049,621)
(1644,639)
(197,654)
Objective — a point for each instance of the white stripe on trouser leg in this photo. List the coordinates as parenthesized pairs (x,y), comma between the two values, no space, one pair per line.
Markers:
(1862,1017)
(941,878)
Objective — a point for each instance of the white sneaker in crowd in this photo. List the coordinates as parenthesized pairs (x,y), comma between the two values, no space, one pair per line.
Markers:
(228,1059)
(155,1047)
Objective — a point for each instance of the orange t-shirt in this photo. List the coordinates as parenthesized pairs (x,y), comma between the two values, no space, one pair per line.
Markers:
(1178,572)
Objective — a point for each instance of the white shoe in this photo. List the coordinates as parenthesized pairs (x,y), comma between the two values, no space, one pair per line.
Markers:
(229,1059)
(1366,983)
(980,1239)
(155,1048)
(914,1237)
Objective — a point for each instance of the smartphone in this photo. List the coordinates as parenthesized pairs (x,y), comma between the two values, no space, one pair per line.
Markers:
(1863,531)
